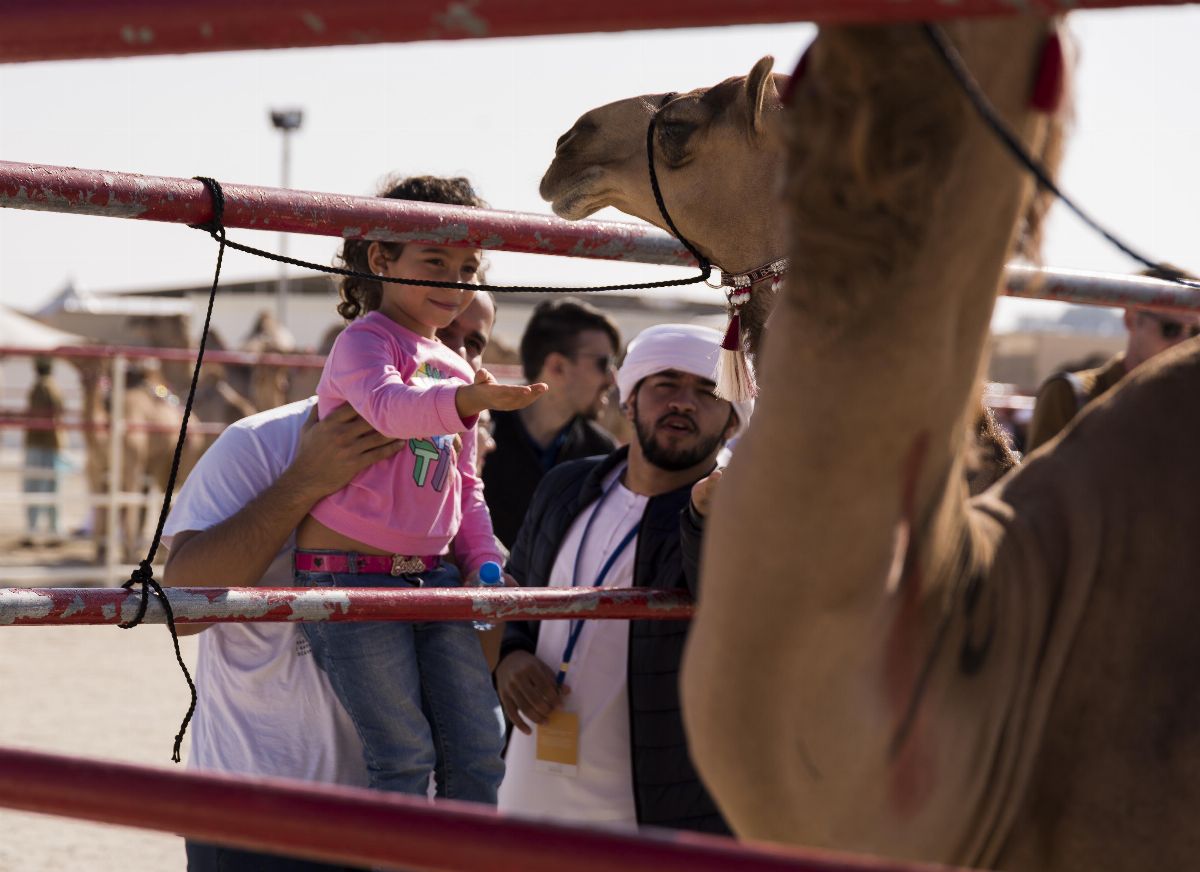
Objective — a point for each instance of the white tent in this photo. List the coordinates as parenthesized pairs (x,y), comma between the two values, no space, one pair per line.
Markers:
(16,371)
(21,331)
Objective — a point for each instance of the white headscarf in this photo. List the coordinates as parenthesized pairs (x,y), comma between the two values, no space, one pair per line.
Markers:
(682,347)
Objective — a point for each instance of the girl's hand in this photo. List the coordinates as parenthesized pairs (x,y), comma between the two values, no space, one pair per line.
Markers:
(487,393)
(472,580)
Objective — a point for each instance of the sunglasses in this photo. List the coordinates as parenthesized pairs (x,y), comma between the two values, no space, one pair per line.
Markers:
(604,362)
(1171,330)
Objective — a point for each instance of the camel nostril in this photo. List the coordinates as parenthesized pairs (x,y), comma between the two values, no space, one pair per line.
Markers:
(564,139)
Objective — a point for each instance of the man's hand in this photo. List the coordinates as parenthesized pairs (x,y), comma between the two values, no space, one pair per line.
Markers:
(526,687)
(487,393)
(703,490)
(335,449)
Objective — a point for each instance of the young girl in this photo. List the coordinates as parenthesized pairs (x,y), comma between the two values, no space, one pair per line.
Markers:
(420,695)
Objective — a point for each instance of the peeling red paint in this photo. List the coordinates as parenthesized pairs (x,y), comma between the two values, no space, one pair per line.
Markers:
(67,605)
(186,201)
(376,829)
(1099,289)
(64,29)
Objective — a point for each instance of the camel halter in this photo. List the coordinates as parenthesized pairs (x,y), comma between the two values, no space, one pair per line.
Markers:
(735,374)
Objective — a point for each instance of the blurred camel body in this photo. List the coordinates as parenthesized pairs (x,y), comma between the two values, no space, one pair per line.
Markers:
(146,455)
(879,663)
(719,158)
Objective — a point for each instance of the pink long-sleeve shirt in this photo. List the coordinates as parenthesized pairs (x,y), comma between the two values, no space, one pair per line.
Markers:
(421,499)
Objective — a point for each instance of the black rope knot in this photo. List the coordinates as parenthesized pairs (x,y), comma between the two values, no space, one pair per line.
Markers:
(216,224)
(143,575)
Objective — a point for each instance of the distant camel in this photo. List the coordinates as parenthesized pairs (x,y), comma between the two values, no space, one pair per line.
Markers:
(146,455)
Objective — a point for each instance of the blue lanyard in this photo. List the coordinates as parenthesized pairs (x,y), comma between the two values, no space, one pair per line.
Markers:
(577,626)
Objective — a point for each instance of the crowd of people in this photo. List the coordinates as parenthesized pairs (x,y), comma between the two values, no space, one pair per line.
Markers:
(412,466)
(379,480)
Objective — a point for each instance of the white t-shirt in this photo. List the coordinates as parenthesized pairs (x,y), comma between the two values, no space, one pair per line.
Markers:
(602,789)
(265,708)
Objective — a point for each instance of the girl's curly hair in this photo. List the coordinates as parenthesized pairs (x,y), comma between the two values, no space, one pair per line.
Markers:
(359,295)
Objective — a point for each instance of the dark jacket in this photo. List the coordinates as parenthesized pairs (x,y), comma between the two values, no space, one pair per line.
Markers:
(513,470)
(666,789)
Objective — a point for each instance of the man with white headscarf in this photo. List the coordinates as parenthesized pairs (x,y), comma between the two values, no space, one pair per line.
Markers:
(599,737)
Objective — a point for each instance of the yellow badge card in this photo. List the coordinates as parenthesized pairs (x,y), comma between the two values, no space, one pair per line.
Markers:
(558,743)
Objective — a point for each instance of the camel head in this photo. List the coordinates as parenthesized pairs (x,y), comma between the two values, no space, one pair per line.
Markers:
(717,155)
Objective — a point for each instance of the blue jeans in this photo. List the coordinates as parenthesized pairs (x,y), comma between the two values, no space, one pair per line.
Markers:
(216,858)
(419,694)
(42,464)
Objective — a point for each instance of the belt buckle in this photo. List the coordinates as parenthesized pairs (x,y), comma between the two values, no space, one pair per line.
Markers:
(407,565)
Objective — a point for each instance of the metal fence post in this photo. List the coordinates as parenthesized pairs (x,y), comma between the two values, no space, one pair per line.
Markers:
(116,444)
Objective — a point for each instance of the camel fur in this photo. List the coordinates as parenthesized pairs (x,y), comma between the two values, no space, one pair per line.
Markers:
(879,663)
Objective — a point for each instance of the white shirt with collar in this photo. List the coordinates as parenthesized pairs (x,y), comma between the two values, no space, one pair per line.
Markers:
(602,789)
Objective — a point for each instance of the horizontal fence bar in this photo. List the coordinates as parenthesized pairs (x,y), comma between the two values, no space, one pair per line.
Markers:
(253,207)
(375,829)
(151,499)
(124,195)
(197,605)
(147,352)
(22,422)
(1099,289)
(246,358)
(63,29)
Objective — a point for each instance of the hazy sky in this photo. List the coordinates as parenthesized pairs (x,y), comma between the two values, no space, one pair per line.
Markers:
(492,109)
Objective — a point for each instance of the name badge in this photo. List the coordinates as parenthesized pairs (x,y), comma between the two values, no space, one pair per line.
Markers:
(558,744)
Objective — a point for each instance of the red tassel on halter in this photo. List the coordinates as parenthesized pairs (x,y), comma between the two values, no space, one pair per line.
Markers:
(1049,85)
(733,333)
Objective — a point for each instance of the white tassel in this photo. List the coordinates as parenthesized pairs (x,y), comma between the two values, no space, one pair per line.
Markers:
(735,377)
(735,374)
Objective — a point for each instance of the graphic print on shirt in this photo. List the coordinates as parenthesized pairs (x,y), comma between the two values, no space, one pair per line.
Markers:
(434,455)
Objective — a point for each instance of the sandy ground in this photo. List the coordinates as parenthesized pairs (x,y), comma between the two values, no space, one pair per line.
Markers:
(98,692)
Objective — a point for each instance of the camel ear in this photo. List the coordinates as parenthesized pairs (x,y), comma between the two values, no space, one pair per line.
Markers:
(760,85)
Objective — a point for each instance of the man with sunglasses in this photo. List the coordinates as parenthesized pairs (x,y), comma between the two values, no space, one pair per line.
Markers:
(1065,394)
(572,347)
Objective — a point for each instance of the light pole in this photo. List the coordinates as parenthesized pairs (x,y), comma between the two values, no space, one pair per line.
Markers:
(286,121)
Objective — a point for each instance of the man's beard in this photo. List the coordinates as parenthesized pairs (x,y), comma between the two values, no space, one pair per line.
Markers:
(674,459)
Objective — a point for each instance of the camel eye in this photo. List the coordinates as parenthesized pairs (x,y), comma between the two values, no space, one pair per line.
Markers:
(673,137)
(677,130)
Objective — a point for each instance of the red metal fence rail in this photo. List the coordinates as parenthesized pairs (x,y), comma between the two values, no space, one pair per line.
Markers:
(375,829)
(191,605)
(253,207)
(65,29)
(185,201)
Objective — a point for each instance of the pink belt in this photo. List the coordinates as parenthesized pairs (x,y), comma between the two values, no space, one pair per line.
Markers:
(363,564)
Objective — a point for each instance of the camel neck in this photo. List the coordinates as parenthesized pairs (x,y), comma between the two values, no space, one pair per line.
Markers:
(738,237)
